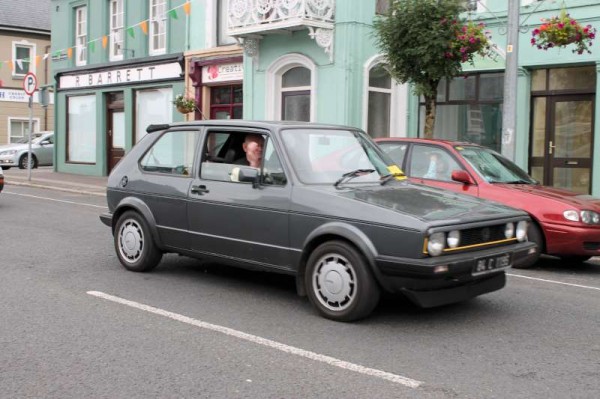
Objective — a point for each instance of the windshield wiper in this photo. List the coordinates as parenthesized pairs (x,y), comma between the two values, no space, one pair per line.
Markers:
(352,175)
(387,178)
(520,181)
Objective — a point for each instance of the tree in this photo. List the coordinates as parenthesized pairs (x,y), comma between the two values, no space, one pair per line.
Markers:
(424,41)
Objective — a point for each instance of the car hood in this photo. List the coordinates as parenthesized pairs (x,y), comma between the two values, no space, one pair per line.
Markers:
(430,203)
(17,147)
(566,197)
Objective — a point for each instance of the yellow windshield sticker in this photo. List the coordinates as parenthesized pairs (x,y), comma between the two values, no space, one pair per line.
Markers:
(458,148)
(396,171)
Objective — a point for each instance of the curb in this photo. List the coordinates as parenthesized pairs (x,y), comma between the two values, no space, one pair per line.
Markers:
(68,190)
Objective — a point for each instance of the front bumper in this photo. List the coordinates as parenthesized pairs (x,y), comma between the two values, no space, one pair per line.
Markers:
(8,160)
(106,218)
(419,280)
(565,240)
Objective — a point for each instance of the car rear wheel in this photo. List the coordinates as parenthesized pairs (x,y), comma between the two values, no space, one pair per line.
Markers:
(134,243)
(534,234)
(339,283)
(23,162)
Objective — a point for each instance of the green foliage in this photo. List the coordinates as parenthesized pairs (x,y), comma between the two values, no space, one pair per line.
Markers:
(562,30)
(420,39)
(183,104)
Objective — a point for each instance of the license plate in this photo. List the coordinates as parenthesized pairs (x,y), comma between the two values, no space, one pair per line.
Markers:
(491,263)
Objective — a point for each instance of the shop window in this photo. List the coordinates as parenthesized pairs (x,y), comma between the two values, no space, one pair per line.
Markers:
(226,102)
(172,154)
(19,129)
(152,106)
(81,129)
(116,30)
(379,101)
(23,56)
(81,36)
(158,27)
(469,110)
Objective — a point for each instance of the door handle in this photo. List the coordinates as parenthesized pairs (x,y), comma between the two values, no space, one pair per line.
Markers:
(550,147)
(200,190)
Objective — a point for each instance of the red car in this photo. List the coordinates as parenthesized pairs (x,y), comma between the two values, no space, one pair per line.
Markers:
(565,224)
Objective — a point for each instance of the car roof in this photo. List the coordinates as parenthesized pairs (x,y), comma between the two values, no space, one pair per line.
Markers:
(277,125)
(427,141)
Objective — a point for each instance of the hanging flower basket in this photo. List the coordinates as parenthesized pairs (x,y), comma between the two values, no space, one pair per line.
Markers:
(469,39)
(184,105)
(561,31)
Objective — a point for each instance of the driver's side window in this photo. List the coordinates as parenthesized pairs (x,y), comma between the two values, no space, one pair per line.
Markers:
(433,163)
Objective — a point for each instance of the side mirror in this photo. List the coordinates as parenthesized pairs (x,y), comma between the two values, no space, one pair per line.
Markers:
(249,175)
(45,142)
(462,176)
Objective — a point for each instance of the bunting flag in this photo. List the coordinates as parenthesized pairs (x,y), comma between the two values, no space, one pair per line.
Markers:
(58,54)
(144,26)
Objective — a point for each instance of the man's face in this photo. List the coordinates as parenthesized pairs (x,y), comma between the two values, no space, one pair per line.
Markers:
(253,146)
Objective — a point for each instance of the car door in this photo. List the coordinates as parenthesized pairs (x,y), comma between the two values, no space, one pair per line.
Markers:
(234,220)
(432,165)
(45,152)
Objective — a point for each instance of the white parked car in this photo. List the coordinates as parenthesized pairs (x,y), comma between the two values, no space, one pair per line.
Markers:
(42,150)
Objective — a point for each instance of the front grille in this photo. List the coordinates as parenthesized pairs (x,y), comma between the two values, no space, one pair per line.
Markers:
(481,235)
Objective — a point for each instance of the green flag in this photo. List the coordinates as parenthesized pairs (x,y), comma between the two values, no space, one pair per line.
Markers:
(173,14)
(93,46)
(131,32)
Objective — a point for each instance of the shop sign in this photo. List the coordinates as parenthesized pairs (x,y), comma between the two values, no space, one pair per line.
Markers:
(133,74)
(218,73)
(19,96)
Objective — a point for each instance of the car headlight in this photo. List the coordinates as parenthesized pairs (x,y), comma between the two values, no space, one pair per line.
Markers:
(436,244)
(587,217)
(453,238)
(521,231)
(509,230)
(8,152)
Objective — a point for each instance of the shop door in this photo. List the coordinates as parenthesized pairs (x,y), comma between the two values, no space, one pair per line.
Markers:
(115,135)
(562,141)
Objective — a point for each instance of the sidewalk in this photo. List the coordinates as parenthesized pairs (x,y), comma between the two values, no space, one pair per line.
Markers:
(46,177)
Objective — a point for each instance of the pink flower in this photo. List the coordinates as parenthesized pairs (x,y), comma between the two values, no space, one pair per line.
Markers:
(535,32)
(532,40)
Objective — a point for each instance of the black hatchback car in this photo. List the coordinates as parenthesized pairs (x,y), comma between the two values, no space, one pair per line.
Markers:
(323,204)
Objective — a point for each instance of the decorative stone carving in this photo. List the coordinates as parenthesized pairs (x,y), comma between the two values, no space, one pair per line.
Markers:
(323,38)
(250,46)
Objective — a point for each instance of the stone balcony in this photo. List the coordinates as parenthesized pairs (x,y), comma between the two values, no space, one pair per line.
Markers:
(251,20)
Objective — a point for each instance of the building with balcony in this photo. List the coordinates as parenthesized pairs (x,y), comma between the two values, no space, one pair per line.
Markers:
(24,48)
(118,66)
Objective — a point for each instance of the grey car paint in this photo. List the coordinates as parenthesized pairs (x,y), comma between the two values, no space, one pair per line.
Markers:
(275,228)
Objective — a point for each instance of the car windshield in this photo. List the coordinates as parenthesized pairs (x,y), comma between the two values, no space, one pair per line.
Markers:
(327,156)
(493,167)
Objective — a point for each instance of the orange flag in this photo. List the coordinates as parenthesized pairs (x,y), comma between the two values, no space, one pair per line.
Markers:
(104,41)
(186,7)
(38,59)
(144,26)
(70,52)
(11,64)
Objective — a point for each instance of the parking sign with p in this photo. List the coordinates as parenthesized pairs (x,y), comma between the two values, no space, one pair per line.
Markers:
(30,83)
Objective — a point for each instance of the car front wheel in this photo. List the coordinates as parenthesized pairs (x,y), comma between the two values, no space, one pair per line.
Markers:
(134,244)
(23,162)
(339,283)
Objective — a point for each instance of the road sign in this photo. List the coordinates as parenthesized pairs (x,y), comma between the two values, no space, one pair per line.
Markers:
(30,83)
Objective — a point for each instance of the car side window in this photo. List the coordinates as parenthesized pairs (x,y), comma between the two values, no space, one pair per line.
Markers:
(172,153)
(428,162)
(272,170)
(396,151)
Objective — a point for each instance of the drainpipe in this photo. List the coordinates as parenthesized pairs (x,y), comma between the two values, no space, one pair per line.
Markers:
(46,51)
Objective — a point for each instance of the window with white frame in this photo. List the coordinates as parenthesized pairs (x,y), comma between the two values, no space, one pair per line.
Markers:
(116,30)
(81,129)
(23,56)
(158,27)
(80,35)
(295,95)
(152,106)
(379,101)
(222,24)
(18,129)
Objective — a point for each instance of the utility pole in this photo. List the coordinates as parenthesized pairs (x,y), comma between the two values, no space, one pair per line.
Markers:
(509,107)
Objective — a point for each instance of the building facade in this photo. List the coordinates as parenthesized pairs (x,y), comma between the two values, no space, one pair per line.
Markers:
(24,48)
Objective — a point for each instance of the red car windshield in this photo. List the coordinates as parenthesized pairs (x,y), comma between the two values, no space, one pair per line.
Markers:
(494,167)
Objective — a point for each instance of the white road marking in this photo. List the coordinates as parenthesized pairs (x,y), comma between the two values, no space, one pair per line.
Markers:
(554,282)
(56,200)
(398,379)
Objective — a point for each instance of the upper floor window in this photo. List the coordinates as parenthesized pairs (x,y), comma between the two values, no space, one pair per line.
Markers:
(23,54)
(222,24)
(116,30)
(382,7)
(295,95)
(81,35)
(379,101)
(158,27)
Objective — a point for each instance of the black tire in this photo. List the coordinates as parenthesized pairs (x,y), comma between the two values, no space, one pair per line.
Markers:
(575,258)
(134,243)
(534,234)
(5,167)
(339,283)
(23,162)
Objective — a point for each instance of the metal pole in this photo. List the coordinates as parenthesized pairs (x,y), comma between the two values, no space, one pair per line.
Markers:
(29,141)
(509,108)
